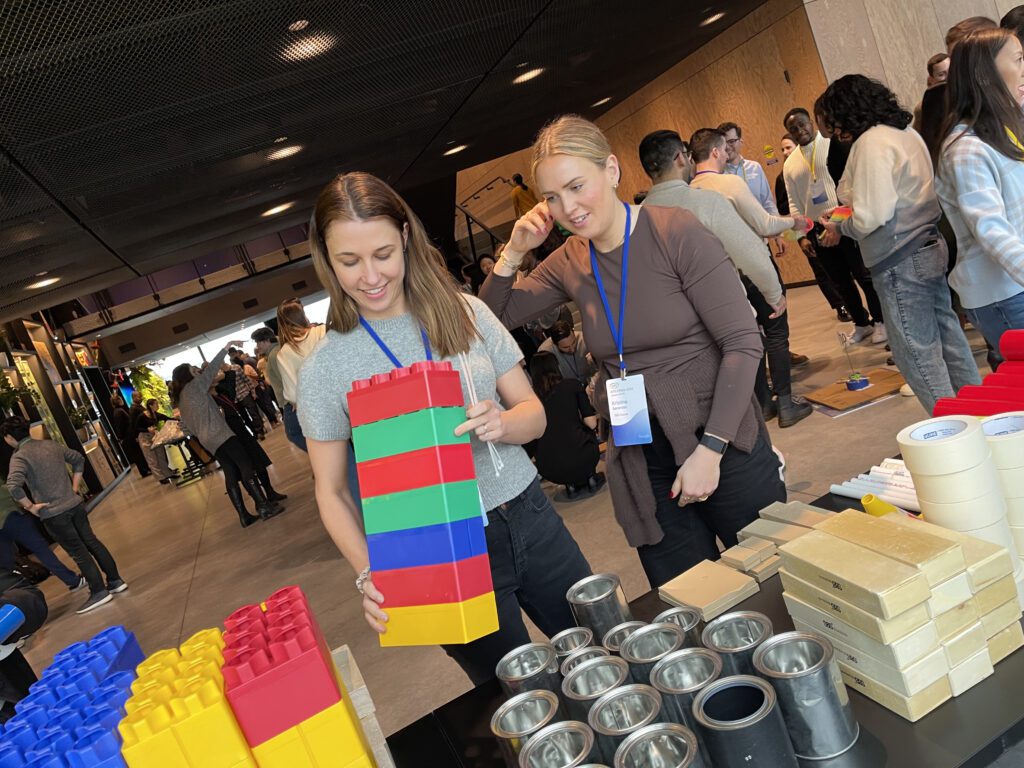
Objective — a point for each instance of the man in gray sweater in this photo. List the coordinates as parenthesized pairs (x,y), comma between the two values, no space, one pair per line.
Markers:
(41,465)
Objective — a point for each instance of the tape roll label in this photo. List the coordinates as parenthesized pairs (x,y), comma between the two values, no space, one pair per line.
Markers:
(938,430)
(999,426)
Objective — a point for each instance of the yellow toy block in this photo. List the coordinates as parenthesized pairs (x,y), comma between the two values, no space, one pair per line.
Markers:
(332,738)
(147,739)
(159,660)
(206,644)
(441,623)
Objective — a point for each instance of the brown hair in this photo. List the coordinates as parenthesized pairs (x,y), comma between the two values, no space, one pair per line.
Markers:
(292,323)
(960,30)
(978,97)
(433,297)
(573,136)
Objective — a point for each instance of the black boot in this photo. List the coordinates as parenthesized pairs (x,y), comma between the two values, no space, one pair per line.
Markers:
(264,508)
(596,481)
(268,489)
(235,494)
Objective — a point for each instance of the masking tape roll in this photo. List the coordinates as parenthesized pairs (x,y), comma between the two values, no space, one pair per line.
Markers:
(1019,579)
(967,516)
(1005,436)
(1012,482)
(973,483)
(942,446)
(1018,540)
(1015,512)
(1000,535)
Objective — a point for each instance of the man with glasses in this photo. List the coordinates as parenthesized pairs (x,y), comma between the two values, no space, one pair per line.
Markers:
(749,170)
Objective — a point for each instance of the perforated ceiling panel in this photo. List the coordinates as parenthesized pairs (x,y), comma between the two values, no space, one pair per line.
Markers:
(150,131)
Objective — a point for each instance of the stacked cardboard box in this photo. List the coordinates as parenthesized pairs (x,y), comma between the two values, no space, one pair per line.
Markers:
(755,557)
(917,614)
(756,554)
(710,587)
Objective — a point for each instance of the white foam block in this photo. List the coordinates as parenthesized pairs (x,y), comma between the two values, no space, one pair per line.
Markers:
(968,674)
(1001,617)
(948,594)
(1005,642)
(911,708)
(996,594)
(965,644)
(954,622)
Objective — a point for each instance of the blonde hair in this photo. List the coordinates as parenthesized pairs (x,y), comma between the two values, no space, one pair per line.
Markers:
(574,136)
(432,295)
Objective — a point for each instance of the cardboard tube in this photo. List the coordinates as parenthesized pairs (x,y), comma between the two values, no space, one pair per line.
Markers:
(967,515)
(850,492)
(973,483)
(1005,436)
(942,446)
(880,489)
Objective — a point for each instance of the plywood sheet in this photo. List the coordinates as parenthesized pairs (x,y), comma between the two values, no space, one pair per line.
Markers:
(838,397)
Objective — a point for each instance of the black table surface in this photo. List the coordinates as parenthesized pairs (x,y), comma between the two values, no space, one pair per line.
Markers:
(970,730)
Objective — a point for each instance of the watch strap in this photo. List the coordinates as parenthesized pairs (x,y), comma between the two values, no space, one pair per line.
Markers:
(715,444)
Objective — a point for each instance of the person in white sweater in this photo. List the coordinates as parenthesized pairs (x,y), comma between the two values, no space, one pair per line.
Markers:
(889,184)
(981,181)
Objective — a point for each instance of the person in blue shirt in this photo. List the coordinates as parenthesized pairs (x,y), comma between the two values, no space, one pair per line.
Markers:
(749,170)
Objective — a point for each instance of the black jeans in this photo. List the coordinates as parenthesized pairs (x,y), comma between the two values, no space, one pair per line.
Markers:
(844,265)
(534,561)
(776,345)
(749,482)
(72,531)
(21,527)
(825,284)
(234,461)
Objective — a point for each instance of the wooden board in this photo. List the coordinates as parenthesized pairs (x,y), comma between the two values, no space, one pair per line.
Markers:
(838,397)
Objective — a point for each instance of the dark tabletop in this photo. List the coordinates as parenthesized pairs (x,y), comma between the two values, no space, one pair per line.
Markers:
(970,730)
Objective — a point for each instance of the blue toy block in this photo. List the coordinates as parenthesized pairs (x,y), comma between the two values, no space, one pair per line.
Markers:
(11,618)
(11,756)
(46,760)
(97,749)
(429,545)
(128,653)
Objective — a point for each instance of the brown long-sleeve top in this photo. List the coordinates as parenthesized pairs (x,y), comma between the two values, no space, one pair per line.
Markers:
(689,329)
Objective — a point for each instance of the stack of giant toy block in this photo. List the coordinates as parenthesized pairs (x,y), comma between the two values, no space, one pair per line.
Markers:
(421,506)
(916,613)
(285,692)
(1000,392)
(71,714)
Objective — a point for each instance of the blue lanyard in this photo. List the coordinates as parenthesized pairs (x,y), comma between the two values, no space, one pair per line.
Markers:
(387,351)
(617,333)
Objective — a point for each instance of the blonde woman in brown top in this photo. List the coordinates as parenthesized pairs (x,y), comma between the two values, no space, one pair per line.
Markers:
(705,467)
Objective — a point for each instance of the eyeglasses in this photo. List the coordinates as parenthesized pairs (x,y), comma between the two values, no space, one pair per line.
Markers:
(733,142)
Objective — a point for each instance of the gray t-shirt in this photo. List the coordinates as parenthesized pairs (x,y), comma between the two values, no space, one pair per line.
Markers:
(339,359)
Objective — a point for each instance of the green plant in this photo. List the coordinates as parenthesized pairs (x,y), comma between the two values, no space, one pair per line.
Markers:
(11,395)
(145,380)
(80,416)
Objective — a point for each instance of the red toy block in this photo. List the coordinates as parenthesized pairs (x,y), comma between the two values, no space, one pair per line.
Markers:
(404,390)
(951,406)
(275,688)
(1000,379)
(431,584)
(1012,367)
(1011,345)
(1005,394)
(416,469)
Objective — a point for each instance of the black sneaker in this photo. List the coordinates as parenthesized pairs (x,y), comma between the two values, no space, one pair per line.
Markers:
(82,584)
(95,601)
(793,409)
(843,316)
(116,586)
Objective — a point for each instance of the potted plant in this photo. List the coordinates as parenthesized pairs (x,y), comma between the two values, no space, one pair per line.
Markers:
(80,420)
(11,395)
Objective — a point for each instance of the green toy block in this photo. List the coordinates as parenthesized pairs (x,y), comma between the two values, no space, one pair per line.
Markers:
(408,432)
(431,505)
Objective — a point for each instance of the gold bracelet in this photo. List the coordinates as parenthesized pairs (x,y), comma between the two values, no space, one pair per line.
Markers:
(513,265)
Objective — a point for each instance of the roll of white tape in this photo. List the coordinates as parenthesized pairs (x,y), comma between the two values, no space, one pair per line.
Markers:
(942,446)
(973,483)
(1005,435)
(1000,535)
(967,515)
(1018,538)
(1015,512)
(1012,482)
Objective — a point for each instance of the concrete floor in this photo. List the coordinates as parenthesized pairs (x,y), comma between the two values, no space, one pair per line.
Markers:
(189,564)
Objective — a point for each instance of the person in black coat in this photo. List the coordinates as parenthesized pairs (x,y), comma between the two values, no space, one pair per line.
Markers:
(260,459)
(122,423)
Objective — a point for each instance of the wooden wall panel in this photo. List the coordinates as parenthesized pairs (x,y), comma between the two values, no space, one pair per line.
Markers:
(949,12)
(907,35)
(1003,7)
(845,39)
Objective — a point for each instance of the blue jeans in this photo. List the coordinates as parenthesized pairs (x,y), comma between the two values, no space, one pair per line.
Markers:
(293,431)
(22,528)
(534,561)
(927,341)
(995,319)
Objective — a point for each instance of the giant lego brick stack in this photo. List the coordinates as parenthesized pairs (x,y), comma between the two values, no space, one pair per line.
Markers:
(71,714)
(1000,392)
(421,506)
(916,613)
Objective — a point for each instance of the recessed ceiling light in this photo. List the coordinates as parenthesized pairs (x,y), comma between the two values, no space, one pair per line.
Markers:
(522,64)
(528,75)
(283,152)
(298,26)
(280,139)
(455,150)
(42,283)
(599,102)
(712,19)
(308,47)
(44,273)
(278,209)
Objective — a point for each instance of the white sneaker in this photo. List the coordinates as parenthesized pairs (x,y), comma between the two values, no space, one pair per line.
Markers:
(860,332)
(880,336)
(906,391)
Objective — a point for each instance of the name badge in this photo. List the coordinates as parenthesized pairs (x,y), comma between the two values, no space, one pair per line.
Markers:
(627,407)
(818,193)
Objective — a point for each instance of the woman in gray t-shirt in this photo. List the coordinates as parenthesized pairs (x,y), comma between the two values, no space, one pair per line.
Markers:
(393,304)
